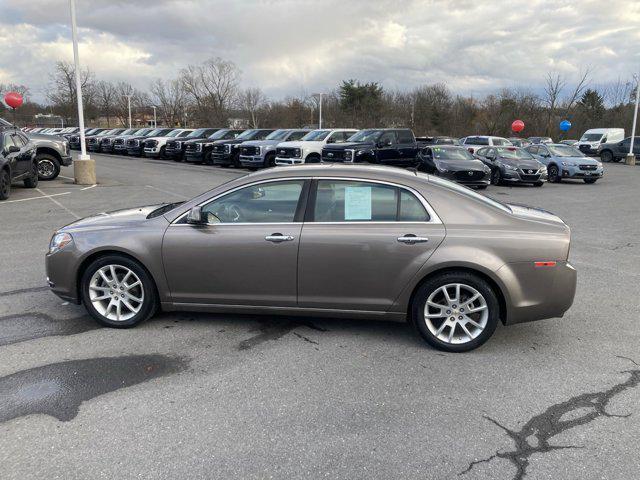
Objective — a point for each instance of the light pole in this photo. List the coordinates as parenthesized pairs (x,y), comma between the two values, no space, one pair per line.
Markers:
(631,157)
(319,95)
(155,121)
(129,106)
(84,169)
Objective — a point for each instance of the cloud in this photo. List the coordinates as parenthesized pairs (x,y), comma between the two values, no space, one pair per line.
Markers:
(289,47)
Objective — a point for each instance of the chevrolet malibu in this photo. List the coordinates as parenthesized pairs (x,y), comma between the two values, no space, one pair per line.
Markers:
(324,240)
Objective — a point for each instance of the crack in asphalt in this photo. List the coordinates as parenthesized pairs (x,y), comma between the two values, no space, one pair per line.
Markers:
(273,329)
(25,290)
(534,436)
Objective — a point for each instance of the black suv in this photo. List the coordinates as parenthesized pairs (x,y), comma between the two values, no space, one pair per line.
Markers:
(176,148)
(386,146)
(199,151)
(226,153)
(614,152)
(17,160)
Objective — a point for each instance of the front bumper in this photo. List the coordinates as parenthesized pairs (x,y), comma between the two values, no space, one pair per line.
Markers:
(135,151)
(289,161)
(173,153)
(152,152)
(536,293)
(588,149)
(517,176)
(121,149)
(251,161)
(194,157)
(474,181)
(93,147)
(60,278)
(106,148)
(222,158)
(576,172)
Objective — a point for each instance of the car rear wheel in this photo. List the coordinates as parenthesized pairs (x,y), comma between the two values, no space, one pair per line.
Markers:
(118,292)
(606,156)
(48,166)
(455,311)
(554,175)
(32,180)
(5,184)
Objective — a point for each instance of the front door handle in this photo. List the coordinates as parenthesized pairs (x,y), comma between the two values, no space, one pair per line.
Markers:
(410,239)
(278,238)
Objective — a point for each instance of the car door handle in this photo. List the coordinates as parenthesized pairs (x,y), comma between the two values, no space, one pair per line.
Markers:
(411,239)
(278,238)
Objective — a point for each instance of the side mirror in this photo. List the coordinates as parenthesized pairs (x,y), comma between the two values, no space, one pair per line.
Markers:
(194,217)
(13,149)
(604,140)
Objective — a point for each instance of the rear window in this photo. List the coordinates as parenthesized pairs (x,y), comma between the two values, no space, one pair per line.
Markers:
(405,136)
(476,141)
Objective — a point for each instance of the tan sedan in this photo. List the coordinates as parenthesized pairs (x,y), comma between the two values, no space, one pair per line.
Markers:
(333,241)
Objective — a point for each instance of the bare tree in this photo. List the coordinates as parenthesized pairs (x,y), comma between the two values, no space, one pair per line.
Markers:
(171,100)
(62,91)
(252,101)
(577,92)
(554,84)
(213,88)
(106,93)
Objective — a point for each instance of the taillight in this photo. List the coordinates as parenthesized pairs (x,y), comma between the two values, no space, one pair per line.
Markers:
(544,264)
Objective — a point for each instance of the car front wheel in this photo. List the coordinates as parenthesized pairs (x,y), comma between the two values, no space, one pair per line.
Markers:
(5,184)
(554,175)
(496,177)
(606,156)
(455,311)
(48,166)
(118,292)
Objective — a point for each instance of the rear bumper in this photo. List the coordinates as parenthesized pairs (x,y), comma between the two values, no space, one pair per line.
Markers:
(536,293)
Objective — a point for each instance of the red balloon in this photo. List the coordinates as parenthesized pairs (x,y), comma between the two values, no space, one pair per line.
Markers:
(13,99)
(517,126)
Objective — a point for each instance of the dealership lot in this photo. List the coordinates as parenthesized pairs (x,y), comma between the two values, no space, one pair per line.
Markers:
(196,395)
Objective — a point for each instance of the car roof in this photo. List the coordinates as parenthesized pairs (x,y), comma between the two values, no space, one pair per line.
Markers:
(374,172)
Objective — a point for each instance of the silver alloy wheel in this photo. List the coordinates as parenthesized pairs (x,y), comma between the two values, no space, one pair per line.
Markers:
(46,168)
(456,313)
(116,292)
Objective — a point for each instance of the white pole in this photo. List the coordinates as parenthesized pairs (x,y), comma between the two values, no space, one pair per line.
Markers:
(635,116)
(320,119)
(129,107)
(155,121)
(84,169)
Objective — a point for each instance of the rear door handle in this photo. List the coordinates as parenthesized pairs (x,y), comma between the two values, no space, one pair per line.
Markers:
(278,238)
(410,239)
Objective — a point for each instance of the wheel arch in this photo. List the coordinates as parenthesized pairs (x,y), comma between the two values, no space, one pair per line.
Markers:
(479,272)
(104,253)
(49,151)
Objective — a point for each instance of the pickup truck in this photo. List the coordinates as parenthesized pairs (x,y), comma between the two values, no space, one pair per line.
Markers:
(385,146)
(227,152)
(309,148)
(262,153)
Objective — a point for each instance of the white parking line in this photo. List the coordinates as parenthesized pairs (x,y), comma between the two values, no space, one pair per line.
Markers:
(166,191)
(68,178)
(89,187)
(33,198)
(57,203)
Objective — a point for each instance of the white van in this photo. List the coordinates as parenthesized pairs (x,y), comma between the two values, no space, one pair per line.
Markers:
(594,137)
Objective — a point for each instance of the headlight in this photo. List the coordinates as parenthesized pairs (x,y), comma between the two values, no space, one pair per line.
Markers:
(442,169)
(227,148)
(542,169)
(568,164)
(178,145)
(348,155)
(510,167)
(59,241)
(297,153)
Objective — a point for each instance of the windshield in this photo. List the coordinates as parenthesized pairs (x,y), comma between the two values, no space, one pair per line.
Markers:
(158,132)
(128,131)
(197,133)
(247,134)
(451,153)
(365,136)
(316,135)
(591,137)
(277,135)
(514,153)
(564,151)
(174,133)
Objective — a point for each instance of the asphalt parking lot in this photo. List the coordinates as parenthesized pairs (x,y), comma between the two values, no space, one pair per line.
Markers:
(206,396)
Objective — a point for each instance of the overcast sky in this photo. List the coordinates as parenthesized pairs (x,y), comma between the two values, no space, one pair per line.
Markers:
(297,46)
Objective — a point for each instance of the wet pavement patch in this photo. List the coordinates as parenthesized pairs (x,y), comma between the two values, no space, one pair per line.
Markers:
(59,389)
(273,329)
(28,326)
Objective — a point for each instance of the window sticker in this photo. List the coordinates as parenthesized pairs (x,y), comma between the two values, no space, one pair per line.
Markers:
(357,203)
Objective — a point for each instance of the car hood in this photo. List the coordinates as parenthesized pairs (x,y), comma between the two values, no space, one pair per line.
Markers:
(38,136)
(205,140)
(577,160)
(300,144)
(521,163)
(114,219)
(349,145)
(260,143)
(456,165)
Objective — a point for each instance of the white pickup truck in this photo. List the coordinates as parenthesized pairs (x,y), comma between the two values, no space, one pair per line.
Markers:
(309,148)
(474,142)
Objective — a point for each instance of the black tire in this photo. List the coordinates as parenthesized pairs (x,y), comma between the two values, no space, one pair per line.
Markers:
(481,187)
(590,180)
(270,160)
(5,184)
(607,156)
(496,177)
(554,174)
(235,161)
(313,158)
(431,286)
(538,184)
(179,158)
(162,155)
(32,180)
(48,166)
(149,304)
